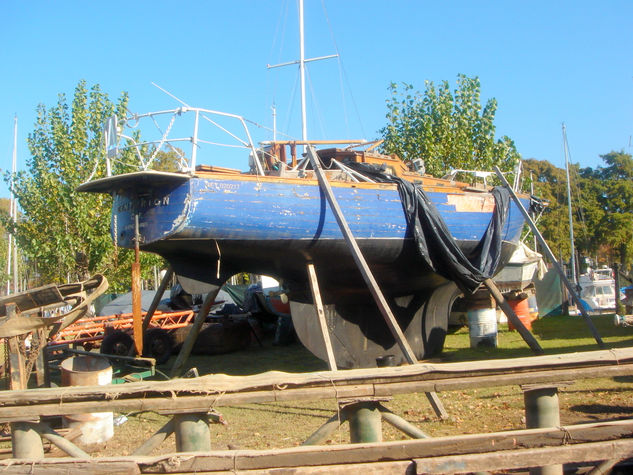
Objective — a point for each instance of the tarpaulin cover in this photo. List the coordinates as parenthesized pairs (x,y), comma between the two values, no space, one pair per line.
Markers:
(433,238)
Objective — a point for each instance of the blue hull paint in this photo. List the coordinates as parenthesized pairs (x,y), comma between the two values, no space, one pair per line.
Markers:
(246,210)
(275,228)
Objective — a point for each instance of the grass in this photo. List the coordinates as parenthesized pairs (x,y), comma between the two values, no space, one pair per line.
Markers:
(274,425)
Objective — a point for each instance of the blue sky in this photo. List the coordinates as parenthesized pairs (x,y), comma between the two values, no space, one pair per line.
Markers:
(545,62)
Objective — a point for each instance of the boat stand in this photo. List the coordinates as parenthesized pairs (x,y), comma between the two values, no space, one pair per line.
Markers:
(365,416)
(551,257)
(376,293)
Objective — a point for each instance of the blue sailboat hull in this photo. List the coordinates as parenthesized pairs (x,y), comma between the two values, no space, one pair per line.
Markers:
(212,228)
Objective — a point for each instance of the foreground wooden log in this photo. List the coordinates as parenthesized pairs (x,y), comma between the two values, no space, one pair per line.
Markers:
(201,394)
(458,454)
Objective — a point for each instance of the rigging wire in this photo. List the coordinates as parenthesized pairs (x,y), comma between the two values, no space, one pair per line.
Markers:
(343,76)
(280,34)
(315,104)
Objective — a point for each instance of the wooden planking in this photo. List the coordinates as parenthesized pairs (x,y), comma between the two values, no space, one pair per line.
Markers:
(200,394)
(583,442)
(517,459)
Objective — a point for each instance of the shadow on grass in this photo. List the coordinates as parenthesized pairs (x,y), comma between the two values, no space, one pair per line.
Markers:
(255,359)
(602,409)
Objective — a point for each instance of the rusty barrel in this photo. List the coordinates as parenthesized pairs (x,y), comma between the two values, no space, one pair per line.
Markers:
(96,427)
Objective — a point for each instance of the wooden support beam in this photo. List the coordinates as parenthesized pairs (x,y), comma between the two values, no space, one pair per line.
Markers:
(137,317)
(318,306)
(199,394)
(368,276)
(461,453)
(17,374)
(42,377)
(552,259)
(187,346)
(516,321)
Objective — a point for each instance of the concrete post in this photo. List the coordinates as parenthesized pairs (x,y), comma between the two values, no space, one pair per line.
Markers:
(365,421)
(542,410)
(26,442)
(192,433)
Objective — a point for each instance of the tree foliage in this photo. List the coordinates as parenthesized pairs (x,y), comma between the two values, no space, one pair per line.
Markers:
(602,207)
(448,130)
(67,232)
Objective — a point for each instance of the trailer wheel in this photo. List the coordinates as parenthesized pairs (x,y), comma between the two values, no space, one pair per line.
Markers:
(117,343)
(157,344)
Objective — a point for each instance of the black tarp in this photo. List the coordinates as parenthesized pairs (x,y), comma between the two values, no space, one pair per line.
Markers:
(433,238)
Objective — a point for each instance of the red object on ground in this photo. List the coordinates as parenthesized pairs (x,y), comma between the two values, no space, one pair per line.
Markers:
(522,310)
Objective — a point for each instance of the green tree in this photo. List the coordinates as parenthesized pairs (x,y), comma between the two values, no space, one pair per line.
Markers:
(602,207)
(66,232)
(613,192)
(448,130)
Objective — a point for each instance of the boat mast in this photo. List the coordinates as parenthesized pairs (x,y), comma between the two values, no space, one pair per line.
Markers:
(302,72)
(572,261)
(12,254)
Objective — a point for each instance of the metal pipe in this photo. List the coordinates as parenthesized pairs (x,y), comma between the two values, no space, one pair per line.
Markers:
(401,424)
(322,433)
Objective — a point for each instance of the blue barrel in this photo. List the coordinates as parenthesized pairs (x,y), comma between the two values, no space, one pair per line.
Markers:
(482,326)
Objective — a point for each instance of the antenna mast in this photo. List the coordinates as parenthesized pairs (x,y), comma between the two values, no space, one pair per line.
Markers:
(572,261)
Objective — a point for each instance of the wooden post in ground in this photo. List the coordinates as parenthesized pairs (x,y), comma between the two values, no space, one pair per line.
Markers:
(542,410)
(318,306)
(26,442)
(192,432)
(137,317)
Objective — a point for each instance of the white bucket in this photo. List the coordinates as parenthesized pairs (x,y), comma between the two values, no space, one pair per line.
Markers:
(96,427)
(482,326)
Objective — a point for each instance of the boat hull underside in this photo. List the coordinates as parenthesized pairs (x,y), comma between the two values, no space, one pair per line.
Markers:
(395,263)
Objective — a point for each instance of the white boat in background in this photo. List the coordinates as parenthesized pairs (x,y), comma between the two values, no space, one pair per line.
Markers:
(598,290)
